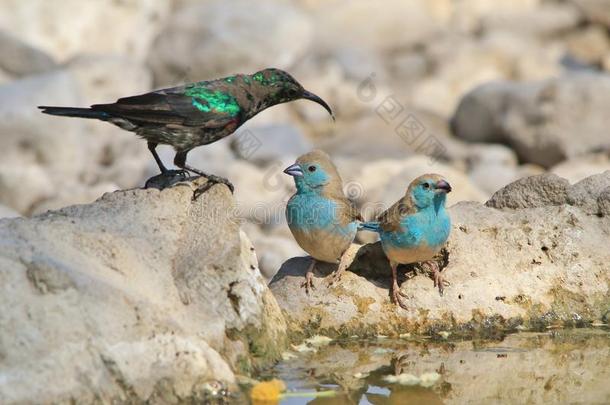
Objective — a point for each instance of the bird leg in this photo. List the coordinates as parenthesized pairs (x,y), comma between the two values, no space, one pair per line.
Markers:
(180,161)
(308,283)
(164,171)
(395,290)
(439,280)
(152,148)
(335,277)
(167,177)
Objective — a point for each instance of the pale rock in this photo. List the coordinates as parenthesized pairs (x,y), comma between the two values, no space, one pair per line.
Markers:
(546,20)
(261,193)
(468,15)
(70,194)
(66,28)
(487,154)
(589,45)
(262,145)
(23,186)
(548,265)
(379,135)
(20,59)
(341,94)
(385,181)
(409,66)
(597,11)
(592,194)
(6,212)
(5,77)
(498,55)
(539,120)
(491,177)
(578,168)
(103,78)
(493,166)
(533,192)
(40,151)
(273,251)
(272,34)
(143,295)
(358,63)
(115,155)
(379,28)
(589,194)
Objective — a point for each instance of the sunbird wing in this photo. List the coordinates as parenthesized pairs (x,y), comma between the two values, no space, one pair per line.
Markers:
(179,106)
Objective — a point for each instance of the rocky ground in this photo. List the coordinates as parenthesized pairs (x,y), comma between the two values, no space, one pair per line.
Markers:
(143,295)
(148,295)
(534,255)
(488,94)
(482,94)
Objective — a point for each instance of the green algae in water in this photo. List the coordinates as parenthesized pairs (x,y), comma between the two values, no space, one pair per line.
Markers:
(558,366)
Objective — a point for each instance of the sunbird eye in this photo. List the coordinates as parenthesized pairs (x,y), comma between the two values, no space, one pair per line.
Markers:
(311,168)
(426,185)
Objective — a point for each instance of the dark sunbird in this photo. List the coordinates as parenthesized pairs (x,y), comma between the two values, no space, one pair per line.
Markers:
(195,114)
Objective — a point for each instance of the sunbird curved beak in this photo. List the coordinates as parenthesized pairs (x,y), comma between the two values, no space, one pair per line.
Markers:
(310,96)
(443,187)
(294,170)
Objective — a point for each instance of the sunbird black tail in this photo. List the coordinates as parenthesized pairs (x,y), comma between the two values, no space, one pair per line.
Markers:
(73,112)
(196,114)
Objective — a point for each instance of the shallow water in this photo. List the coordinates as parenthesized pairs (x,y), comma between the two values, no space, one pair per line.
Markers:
(556,366)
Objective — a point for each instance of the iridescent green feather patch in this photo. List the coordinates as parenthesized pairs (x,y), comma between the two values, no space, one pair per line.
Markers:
(206,101)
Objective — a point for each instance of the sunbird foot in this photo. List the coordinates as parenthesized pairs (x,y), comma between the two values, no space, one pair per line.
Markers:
(212,181)
(166,179)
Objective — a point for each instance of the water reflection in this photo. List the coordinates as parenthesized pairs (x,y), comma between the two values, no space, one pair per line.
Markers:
(564,366)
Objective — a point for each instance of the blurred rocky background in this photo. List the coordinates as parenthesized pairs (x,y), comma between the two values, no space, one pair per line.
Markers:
(484,92)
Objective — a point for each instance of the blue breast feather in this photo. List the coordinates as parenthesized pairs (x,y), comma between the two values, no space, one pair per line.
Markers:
(311,212)
(426,227)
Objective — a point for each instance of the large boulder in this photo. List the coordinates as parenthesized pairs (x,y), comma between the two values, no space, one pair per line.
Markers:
(544,122)
(590,194)
(538,263)
(144,295)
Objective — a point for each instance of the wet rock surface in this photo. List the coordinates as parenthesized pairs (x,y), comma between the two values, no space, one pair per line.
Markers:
(143,295)
(540,263)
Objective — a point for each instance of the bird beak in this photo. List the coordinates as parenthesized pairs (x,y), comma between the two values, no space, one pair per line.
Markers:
(310,96)
(443,187)
(294,170)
